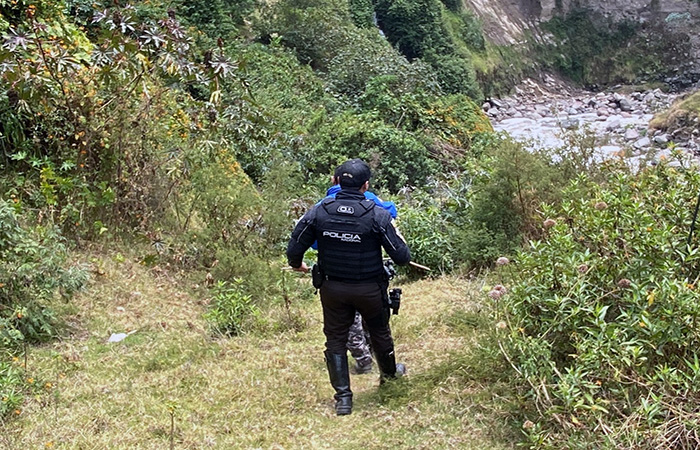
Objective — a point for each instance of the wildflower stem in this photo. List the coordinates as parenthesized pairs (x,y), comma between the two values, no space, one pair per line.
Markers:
(26,352)
(172,430)
(287,301)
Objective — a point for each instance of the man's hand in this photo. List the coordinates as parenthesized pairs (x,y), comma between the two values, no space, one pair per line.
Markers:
(303,268)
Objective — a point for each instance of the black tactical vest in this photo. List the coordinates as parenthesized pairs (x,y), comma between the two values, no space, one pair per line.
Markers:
(349,248)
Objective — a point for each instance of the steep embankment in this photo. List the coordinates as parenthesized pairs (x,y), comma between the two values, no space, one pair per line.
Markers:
(268,389)
(600,42)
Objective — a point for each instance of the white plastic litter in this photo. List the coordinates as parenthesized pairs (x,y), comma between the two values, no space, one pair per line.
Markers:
(118,337)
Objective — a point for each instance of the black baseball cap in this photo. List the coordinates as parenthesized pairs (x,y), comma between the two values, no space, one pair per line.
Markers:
(353,174)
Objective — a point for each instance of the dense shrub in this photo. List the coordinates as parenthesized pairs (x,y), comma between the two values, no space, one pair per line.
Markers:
(323,35)
(398,157)
(291,94)
(471,31)
(447,223)
(453,5)
(414,27)
(426,230)
(455,75)
(33,270)
(602,328)
(387,110)
(457,222)
(217,18)
(386,99)
(312,28)
(363,56)
(452,122)
(224,226)
(488,205)
(362,13)
(237,233)
(91,123)
(423,29)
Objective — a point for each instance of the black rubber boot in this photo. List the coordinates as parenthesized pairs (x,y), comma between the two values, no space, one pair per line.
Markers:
(340,380)
(388,368)
(361,369)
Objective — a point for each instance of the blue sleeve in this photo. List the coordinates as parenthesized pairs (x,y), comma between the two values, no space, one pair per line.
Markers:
(389,206)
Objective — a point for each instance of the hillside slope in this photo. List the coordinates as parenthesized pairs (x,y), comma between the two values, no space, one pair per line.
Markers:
(268,390)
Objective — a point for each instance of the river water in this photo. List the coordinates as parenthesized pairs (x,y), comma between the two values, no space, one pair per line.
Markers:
(540,113)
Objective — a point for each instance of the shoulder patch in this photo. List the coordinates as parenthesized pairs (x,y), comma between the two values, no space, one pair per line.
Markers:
(368,204)
(326,204)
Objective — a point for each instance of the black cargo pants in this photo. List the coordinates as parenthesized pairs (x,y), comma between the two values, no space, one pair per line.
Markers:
(340,301)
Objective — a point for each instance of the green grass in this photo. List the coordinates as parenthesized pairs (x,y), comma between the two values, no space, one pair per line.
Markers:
(258,390)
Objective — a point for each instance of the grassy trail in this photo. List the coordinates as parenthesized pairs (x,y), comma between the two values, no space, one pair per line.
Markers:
(268,390)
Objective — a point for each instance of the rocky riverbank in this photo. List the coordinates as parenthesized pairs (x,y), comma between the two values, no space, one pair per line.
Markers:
(541,112)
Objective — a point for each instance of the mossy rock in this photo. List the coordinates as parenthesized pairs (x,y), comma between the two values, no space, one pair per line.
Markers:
(683,115)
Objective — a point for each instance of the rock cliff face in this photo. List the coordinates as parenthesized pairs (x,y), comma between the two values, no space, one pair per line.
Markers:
(637,10)
(505,21)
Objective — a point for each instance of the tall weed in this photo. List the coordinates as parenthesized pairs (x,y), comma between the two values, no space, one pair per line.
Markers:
(33,270)
(230,308)
(601,319)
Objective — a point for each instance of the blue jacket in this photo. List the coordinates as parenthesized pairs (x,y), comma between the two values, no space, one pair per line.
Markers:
(389,206)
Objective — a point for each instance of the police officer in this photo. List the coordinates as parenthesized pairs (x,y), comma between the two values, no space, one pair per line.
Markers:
(358,337)
(351,232)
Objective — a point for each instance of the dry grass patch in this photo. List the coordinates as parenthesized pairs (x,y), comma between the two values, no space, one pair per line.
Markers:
(267,390)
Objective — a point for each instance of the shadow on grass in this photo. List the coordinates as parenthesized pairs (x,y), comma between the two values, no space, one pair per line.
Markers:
(392,394)
(473,383)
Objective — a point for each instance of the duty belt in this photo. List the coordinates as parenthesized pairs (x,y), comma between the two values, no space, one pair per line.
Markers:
(345,280)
